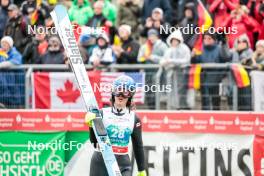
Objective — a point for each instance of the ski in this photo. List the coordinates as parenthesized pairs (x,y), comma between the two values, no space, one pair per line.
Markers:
(65,31)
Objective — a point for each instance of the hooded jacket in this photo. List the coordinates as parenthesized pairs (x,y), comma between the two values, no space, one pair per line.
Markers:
(181,55)
(242,56)
(80,14)
(190,38)
(3,18)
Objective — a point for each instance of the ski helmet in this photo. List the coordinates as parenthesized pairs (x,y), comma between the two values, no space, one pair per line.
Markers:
(124,85)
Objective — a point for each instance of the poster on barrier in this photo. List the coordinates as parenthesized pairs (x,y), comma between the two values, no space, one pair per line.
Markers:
(175,143)
(24,154)
(257,79)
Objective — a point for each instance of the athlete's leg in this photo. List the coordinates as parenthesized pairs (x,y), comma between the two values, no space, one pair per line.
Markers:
(97,167)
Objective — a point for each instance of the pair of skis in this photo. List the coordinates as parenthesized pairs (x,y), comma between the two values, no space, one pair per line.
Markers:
(64,29)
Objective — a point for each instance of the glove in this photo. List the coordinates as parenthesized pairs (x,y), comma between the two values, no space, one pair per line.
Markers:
(142,173)
(89,116)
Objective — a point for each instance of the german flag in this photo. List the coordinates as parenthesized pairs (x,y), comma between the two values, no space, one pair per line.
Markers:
(240,75)
(35,15)
(147,53)
(3,54)
(204,22)
(194,81)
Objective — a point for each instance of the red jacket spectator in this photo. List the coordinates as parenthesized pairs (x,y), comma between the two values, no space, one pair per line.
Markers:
(220,10)
(259,16)
(243,24)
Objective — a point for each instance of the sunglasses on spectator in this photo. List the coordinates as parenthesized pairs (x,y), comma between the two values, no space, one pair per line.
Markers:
(243,41)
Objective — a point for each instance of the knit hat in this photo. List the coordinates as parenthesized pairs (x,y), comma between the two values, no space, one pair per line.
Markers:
(260,43)
(103,36)
(175,35)
(159,10)
(212,35)
(153,32)
(8,40)
(126,27)
(85,39)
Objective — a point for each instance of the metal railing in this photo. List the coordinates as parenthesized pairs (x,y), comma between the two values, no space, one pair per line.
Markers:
(154,74)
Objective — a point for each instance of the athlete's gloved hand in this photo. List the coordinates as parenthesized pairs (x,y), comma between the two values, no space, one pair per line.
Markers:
(142,173)
(89,116)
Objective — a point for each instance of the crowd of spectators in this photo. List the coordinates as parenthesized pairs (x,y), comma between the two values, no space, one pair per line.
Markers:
(132,35)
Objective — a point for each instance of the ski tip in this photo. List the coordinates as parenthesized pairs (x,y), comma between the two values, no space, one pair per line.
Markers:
(61,11)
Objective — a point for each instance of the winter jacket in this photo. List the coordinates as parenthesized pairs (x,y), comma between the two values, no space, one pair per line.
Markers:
(13,56)
(17,29)
(11,81)
(212,54)
(244,56)
(246,25)
(128,14)
(129,56)
(51,58)
(157,53)
(106,55)
(110,11)
(220,9)
(32,51)
(3,20)
(260,18)
(43,12)
(181,55)
(190,38)
(149,5)
(80,14)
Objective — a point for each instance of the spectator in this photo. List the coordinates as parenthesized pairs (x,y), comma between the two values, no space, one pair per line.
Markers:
(156,22)
(259,15)
(36,48)
(242,52)
(210,78)
(29,6)
(11,56)
(3,15)
(258,56)
(103,54)
(178,10)
(127,53)
(178,55)
(190,20)
(242,55)
(99,20)
(243,24)
(54,54)
(220,10)
(149,5)
(87,43)
(16,28)
(128,13)
(80,12)
(153,50)
(11,92)
(109,11)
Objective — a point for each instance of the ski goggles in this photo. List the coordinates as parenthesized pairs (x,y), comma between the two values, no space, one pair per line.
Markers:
(121,92)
